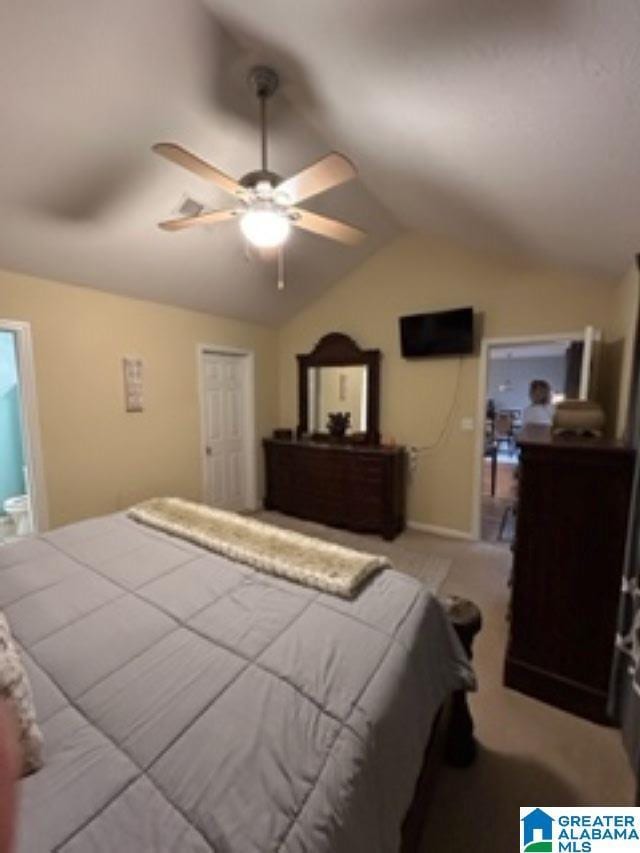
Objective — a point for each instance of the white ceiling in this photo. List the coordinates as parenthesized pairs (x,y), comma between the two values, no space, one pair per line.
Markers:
(507,125)
(512,125)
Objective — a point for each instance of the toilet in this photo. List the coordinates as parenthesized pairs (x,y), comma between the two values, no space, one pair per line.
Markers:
(19,511)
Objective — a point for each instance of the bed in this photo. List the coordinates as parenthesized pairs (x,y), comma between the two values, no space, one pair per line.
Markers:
(191,703)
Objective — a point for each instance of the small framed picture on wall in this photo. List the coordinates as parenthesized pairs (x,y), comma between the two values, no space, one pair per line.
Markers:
(132,368)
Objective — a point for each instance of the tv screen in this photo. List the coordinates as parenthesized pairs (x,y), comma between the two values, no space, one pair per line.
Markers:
(441,333)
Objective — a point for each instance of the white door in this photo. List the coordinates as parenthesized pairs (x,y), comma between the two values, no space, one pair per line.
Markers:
(224,378)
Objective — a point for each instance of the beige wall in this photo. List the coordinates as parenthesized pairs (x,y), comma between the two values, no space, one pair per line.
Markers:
(618,349)
(97,457)
(423,401)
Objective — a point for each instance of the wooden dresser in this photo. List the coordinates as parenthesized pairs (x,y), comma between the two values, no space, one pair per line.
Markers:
(568,558)
(358,487)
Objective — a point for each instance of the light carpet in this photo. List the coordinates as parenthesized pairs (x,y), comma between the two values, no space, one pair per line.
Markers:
(531,754)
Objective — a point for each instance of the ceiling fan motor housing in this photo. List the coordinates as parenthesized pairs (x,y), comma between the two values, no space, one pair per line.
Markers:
(252,179)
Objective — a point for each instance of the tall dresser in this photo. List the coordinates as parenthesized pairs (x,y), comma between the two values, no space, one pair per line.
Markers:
(568,558)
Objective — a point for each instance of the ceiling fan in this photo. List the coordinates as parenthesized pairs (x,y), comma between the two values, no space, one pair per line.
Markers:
(266,204)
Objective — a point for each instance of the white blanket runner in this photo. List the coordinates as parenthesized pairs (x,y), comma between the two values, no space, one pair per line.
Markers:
(285,553)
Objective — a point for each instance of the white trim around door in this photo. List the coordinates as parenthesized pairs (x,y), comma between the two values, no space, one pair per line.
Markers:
(487,343)
(249,414)
(31,423)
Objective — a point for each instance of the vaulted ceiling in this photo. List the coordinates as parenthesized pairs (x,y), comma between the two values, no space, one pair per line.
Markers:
(509,126)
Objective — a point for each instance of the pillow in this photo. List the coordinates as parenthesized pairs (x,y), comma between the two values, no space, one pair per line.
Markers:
(15,687)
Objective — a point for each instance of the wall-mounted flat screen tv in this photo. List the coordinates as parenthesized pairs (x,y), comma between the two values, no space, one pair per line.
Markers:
(440,333)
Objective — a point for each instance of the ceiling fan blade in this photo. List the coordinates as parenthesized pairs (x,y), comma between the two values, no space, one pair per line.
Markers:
(179,155)
(201,219)
(330,171)
(334,229)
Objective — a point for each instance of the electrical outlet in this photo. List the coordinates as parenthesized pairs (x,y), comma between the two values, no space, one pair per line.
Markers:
(467,425)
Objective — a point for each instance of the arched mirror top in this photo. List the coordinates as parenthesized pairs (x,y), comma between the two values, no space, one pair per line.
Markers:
(339,391)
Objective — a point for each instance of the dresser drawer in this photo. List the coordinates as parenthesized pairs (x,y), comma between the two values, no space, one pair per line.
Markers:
(343,486)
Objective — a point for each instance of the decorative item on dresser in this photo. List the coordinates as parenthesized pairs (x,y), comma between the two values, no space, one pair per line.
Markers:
(345,479)
(568,559)
(338,423)
(283,434)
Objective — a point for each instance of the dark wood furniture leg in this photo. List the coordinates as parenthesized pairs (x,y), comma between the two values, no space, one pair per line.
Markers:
(491,452)
(494,471)
(461,748)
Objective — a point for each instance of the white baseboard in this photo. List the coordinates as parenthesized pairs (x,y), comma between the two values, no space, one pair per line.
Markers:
(446,532)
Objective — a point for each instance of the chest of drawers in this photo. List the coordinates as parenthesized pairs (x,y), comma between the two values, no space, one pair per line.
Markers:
(359,488)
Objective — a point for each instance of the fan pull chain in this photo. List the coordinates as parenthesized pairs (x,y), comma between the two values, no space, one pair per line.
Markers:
(280,268)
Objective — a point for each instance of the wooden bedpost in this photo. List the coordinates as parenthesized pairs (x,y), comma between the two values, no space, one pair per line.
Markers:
(452,732)
(460,745)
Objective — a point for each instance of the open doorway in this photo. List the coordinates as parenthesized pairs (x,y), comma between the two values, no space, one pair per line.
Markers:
(22,501)
(559,366)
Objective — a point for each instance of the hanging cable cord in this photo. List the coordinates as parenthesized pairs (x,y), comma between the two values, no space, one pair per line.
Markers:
(446,427)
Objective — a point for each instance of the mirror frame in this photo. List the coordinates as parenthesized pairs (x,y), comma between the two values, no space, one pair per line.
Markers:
(338,350)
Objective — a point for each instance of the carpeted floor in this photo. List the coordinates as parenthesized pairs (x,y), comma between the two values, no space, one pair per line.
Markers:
(530,753)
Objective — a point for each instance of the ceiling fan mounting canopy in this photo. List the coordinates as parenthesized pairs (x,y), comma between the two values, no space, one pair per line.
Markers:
(263,80)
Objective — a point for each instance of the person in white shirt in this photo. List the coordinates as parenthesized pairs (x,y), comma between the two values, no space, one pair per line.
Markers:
(541,410)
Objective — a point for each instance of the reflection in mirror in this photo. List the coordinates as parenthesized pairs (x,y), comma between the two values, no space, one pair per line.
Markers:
(338,389)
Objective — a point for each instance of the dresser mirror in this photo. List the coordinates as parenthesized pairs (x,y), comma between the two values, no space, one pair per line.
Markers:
(339,391)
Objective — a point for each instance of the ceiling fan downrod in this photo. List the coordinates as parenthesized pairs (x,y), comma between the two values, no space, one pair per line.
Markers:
(265,82)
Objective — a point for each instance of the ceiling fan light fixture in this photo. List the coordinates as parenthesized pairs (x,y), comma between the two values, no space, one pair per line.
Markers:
(265,228)
(266,210)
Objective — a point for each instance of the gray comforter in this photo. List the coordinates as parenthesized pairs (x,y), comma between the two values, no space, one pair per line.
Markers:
(189,703)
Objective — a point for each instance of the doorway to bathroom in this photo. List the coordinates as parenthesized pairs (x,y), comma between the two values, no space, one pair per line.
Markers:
(22,499)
